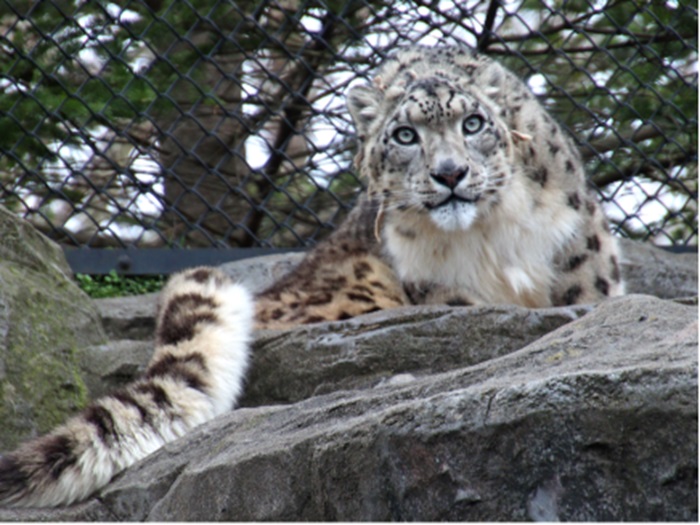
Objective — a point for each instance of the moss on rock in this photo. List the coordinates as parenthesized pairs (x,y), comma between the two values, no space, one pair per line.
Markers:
(45,323)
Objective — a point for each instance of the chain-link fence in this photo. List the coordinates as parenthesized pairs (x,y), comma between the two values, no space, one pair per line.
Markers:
(201,123)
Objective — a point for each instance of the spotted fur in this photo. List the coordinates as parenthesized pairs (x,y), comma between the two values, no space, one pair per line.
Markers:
(343,277)
(475,196)
(196,373)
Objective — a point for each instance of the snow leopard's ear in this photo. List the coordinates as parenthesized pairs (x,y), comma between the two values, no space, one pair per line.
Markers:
(364,104)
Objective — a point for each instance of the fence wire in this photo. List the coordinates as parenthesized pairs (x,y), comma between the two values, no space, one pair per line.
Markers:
(202,123)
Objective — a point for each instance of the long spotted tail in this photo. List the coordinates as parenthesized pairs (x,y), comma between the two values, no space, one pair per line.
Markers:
(197,372)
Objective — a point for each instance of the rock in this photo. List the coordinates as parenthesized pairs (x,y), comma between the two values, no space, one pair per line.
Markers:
(647,269)
(92,511)
(114,364)
(45,323)
(291,365)
(655,271)
(595,421)
(24,246)
(131,317)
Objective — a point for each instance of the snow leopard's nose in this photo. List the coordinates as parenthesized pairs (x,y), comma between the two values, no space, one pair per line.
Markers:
(449,174)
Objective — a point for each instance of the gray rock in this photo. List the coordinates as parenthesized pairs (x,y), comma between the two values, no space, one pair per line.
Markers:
(131,317)
(91,511)
(45,323)
(647,269)
(655,271)
(595,421)
(24,246)
(114,364)
(291,365)
(367,351)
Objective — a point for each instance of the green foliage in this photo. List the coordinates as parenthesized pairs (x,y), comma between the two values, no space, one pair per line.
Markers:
(115,285)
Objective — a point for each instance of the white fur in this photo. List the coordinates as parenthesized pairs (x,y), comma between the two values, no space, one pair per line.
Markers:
(498,258)
(228,346)
(454,216)
(224,344)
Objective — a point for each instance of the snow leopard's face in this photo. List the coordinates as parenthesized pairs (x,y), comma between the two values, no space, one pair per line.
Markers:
(439,151)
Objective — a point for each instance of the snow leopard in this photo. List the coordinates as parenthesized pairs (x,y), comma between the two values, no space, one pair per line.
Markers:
(475,195)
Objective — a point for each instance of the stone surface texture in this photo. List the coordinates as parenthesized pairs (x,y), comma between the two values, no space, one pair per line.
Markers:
(655,271)
(596,420)
(422,413)
(46,322)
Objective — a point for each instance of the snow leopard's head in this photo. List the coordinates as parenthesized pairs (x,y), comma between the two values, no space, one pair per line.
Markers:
(430,145)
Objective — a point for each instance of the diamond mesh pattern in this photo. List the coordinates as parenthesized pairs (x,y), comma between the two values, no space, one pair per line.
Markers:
(202,123)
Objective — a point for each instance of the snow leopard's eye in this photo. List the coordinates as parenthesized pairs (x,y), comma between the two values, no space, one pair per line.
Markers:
(405,135)
(472,124)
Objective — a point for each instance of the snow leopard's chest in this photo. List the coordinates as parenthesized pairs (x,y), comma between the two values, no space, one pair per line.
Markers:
(506,262)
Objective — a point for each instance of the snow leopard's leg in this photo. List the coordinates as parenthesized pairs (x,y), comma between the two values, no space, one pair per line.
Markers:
(197,372)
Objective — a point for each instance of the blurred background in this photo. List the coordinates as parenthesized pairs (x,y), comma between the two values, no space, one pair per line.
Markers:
(143,131)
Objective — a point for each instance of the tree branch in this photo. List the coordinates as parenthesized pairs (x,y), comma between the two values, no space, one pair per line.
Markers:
(305,70)
(652,171)
(597,147)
